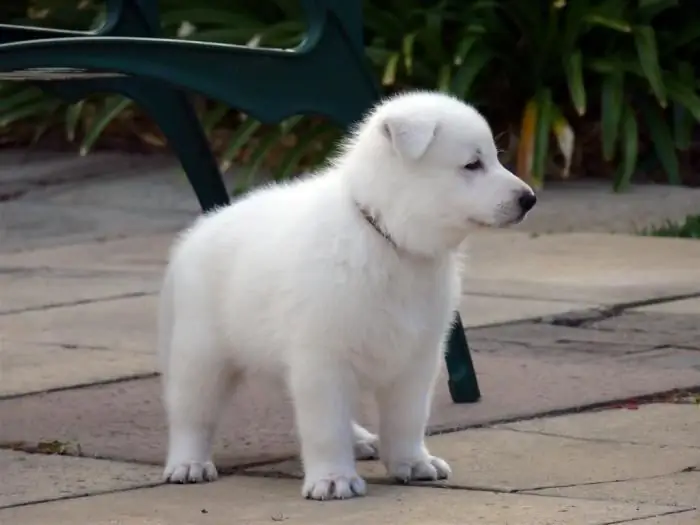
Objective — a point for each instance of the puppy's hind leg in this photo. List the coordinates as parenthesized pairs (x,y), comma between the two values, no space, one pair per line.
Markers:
(366,444)
(196,384)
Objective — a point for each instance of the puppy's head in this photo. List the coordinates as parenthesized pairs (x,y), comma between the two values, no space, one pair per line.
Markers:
(435,170)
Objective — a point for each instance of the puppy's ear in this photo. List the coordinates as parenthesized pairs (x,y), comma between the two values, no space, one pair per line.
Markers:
(410,137)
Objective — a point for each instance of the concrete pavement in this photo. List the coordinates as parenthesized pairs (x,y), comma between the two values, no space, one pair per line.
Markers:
(557,322)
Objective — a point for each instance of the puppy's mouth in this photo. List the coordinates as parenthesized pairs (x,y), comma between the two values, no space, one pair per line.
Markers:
(480,224)
(499,223)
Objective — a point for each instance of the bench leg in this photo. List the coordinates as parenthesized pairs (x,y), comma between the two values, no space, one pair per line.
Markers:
(462,382)
(173,112)
(178,121)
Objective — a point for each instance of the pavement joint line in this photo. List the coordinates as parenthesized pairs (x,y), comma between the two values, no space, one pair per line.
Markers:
(606,312)
(80,496)
(81,386)
(593,440)
(590,407)
(79,302)
(24,447)
(524,297)
(602,482)
(659,515)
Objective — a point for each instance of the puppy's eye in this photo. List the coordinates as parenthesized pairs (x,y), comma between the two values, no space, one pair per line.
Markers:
(474,166)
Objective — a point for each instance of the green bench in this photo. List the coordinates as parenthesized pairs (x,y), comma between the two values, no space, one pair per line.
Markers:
(128,56)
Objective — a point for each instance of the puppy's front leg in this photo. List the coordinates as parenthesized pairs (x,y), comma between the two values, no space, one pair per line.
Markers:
(322,404)
(404,407)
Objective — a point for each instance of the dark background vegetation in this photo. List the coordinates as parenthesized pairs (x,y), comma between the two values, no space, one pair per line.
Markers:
(573,88)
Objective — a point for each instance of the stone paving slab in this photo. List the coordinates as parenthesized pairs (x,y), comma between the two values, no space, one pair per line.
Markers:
(580,268)
(583,266)
(682,489)
(661,424)
(506,460)
(40,477)
(130,252)
(478,310)
(37,288)
(27,225)
(654,340)
(161,187)
(608,295)
(672,329)
(570,339)
(262,501)
(667,357)
(31,368)
(89,325)
(592,206)
(126,421)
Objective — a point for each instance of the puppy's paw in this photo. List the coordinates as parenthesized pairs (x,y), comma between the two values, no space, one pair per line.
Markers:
(427,468)
(367,447)
(333,486)
(190,472)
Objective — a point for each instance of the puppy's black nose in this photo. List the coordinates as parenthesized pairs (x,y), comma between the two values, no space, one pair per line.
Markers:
(527,201)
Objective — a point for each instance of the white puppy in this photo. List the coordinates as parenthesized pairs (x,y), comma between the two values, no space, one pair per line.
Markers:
(340,281)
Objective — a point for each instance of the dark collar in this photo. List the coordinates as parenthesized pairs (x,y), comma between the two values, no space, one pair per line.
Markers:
(372,221)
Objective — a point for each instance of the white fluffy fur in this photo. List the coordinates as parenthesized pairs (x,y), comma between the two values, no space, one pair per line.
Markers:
(293,279)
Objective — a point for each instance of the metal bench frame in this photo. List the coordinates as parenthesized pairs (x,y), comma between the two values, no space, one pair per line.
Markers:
(128,56)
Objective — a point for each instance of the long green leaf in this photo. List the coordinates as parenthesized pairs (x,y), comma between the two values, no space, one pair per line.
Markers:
(645,41)
(20,98)
(407,51)
(212,117)
(291,160)
(472,66)
(630,149)
(260,153)
(542,130)
(662,139)
(389,76)
(111,109)
(682,93)
(648,9)
(617,25)
(237,141)
(686,105)
(73,113)
(683,124)
(42,108)
(611,108)
(573,66)
(463,48)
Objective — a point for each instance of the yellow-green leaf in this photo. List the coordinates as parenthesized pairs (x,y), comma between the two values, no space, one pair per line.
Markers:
(573,65)
(444,77)
(565,138)
(407,50)
(389,76)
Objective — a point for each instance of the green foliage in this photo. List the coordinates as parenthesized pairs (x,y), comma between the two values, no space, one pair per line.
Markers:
(539,69)
(689,229)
